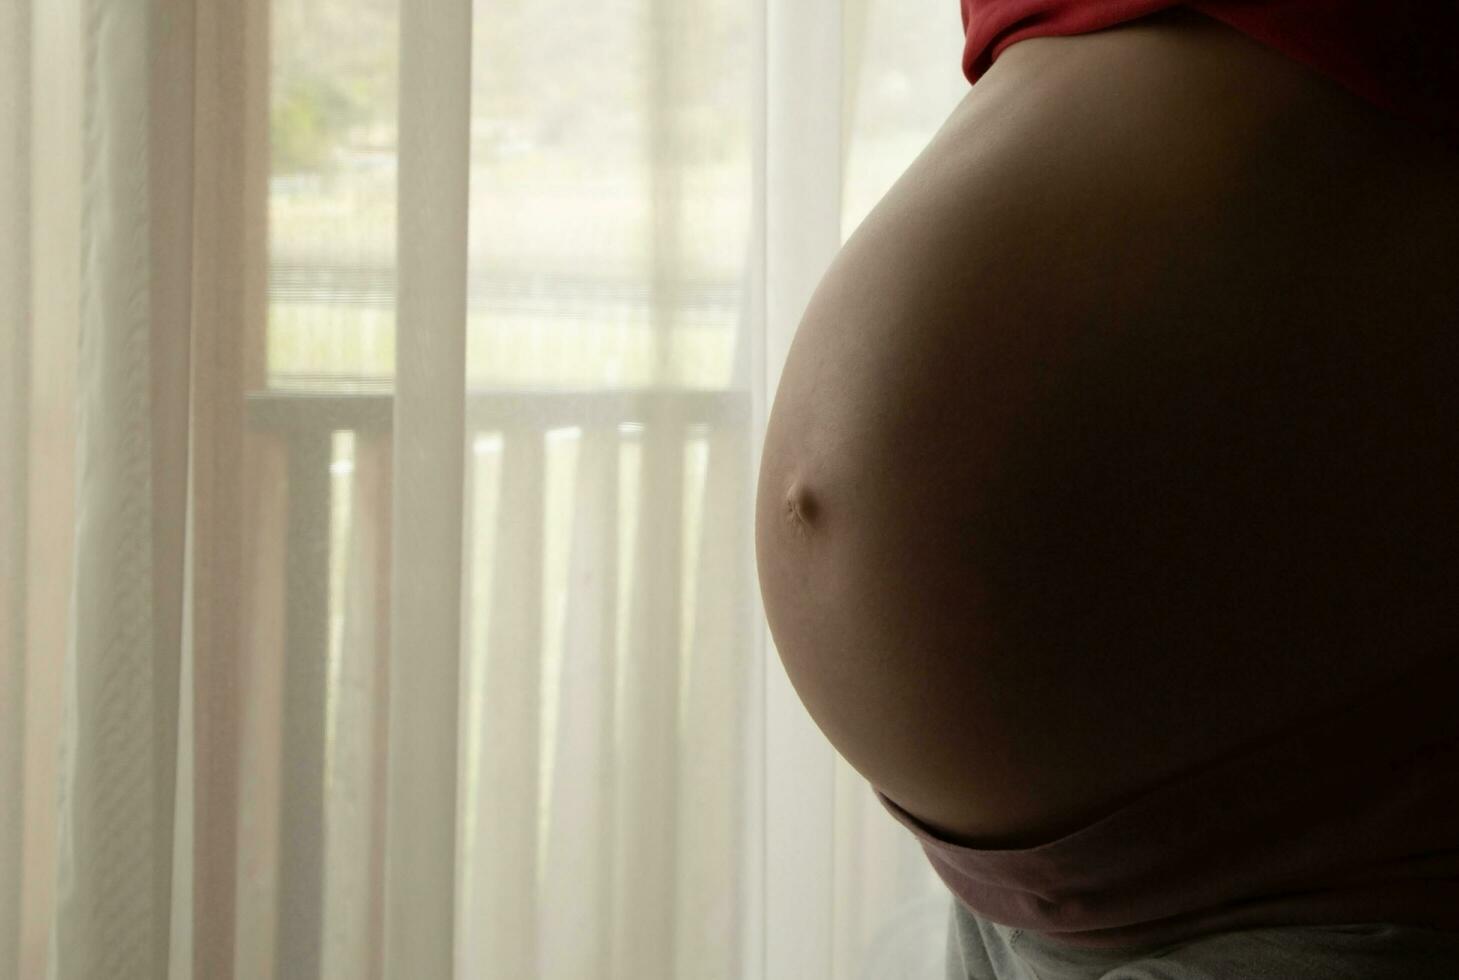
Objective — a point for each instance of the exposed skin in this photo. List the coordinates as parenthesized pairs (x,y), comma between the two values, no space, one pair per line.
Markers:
(1122,434)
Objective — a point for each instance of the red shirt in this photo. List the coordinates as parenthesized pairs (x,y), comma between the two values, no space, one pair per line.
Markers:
(1402,56)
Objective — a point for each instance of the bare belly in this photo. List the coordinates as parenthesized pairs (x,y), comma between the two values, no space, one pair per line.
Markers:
(1122,434)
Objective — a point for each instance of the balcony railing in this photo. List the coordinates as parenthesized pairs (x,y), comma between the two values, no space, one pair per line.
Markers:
(644,710)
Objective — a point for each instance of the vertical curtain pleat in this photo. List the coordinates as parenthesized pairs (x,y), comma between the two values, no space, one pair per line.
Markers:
(115,842)
(803,161)
(209,82)
(855,15)
(752,377)
(666,39)
(168,90)
(429,427)
(676,830)
(170,197)
(15,95)
(55,288)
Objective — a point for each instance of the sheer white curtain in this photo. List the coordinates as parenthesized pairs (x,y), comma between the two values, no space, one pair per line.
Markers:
(381,393)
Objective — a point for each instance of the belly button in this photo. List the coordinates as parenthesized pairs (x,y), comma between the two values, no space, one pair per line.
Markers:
(800,506)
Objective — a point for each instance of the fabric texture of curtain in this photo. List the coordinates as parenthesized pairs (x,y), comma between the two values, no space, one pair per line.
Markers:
(381,392)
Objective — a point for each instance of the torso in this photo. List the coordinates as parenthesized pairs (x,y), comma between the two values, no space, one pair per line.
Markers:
(1123,431)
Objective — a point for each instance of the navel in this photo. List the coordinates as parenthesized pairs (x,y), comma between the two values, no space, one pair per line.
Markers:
(801,507)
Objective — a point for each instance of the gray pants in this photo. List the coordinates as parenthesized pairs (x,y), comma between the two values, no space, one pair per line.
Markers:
(982,950)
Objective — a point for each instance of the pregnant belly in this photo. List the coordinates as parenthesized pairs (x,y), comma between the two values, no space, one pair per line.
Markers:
(1122,433)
